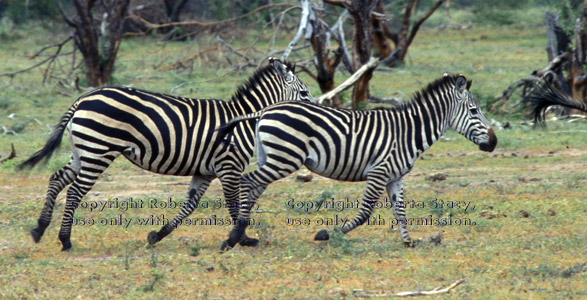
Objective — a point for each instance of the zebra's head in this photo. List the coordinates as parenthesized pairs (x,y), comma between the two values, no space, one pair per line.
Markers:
(467,118)
(293,87)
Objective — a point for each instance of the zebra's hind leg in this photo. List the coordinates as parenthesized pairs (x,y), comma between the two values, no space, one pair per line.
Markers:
(198,187)
(396,195)
(90,170)
(375,185)
(230,187)
(57,182)
(253,184)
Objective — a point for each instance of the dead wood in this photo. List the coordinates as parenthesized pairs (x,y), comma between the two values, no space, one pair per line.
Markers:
(439,290)
(394,101)
(49,59)
(403,38)
(368,67)
(10,156)
(201,24)
(564,70)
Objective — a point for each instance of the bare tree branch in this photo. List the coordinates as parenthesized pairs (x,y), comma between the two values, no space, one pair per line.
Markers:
(209,24)
(393,100)
(438,290)
(536,76)
(341,3)
(232,50)
(304,69)
(370,65)
(303,29)
(64,15)
(275,52)
(418,23)
(338,34)
(10,156)
(49,59)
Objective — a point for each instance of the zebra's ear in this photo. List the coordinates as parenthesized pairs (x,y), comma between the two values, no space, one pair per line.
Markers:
(461,85)
(281,69)
(469,82)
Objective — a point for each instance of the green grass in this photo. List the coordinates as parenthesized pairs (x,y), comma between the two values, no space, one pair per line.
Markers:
(502,256)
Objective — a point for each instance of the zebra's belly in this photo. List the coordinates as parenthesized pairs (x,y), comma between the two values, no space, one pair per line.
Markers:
(338,173)
(159,165)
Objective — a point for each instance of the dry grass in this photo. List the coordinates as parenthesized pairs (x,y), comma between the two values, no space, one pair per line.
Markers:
(503,256)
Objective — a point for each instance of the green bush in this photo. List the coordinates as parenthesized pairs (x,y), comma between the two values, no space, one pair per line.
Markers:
(20,11)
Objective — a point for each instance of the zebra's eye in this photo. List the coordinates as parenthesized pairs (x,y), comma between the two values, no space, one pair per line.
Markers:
(474,111)
(304,94)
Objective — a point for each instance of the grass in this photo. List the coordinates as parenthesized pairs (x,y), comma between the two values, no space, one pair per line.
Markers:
(503,256)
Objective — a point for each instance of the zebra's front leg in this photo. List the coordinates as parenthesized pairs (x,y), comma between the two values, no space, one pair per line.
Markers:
(230,186)
(198,187)
(395,191)
(374,189)
(57,182)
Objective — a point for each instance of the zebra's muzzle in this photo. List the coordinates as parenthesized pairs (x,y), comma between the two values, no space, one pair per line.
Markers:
(490,145)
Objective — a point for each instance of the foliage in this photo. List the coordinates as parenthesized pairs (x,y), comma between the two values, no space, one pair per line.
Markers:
(570,11)
(20,11)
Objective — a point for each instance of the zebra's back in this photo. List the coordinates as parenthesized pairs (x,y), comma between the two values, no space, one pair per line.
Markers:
(336,143)
(157,132)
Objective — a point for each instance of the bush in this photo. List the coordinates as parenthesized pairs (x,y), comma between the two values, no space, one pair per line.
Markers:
(20,11)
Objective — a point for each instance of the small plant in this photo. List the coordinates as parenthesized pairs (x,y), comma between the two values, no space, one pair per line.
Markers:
(195,250)
(21,255)
(436,210)
(151,286)
(340,240)
(323,197)
(153,259)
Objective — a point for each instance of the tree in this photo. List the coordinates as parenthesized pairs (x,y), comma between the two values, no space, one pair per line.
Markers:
(173,9)
(97,34)
(403,37)
(567,55)
(369,31)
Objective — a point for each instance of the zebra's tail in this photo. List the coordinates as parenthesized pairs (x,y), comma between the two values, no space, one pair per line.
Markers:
(545,96)
(223,130)
(52,143)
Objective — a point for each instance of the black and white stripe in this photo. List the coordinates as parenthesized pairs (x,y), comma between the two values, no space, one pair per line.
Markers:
(163,134)
(379,146)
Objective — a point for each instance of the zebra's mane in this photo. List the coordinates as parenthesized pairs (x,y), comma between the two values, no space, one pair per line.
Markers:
(259,76)
(424,94)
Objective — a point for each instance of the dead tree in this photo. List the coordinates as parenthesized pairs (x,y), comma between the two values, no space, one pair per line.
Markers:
(565,69)
(369,32)
(313,27)
(360,11)
(173,9)
(578,58)
(403,37)
(98,28)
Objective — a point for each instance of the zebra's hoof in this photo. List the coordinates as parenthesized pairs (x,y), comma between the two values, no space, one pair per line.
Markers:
(410,244)
(322,235)
(248,242)
(153,238)
(66,246)
(225,246)
(36,234)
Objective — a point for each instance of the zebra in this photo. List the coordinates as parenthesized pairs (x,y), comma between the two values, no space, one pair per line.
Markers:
(379,146)
(163,134)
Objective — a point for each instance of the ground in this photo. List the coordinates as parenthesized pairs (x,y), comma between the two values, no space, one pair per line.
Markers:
(512,221)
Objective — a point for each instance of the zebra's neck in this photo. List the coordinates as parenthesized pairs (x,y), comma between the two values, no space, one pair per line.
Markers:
(428,117)
(259,92)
